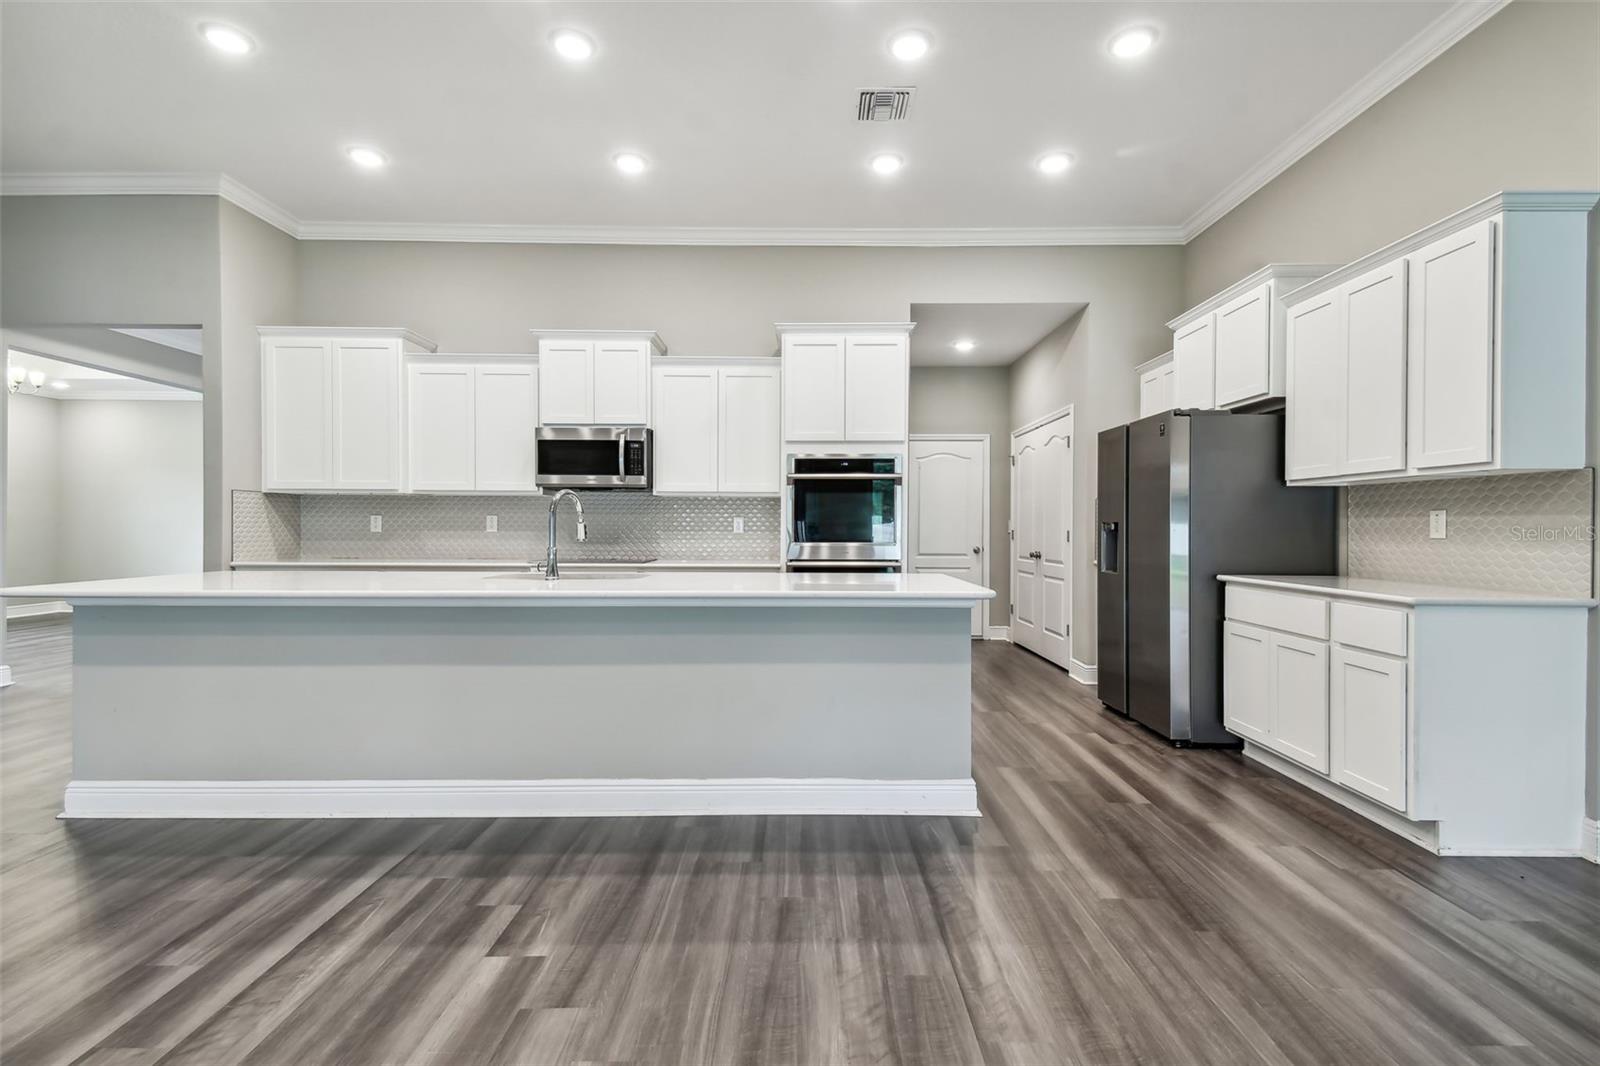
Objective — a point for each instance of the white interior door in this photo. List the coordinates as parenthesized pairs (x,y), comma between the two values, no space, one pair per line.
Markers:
(949,511)
(1042,545)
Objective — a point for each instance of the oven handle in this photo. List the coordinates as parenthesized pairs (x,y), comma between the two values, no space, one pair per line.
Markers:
(896,478)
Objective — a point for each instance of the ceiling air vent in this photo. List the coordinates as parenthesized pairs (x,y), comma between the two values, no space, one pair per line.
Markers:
(884,105)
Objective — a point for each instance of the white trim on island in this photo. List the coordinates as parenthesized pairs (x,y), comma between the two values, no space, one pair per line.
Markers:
(579,798)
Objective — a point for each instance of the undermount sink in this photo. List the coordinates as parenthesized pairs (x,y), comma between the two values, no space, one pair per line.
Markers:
(582,575)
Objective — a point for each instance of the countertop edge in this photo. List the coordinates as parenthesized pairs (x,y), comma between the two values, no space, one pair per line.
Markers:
(1445,597)
(493,564)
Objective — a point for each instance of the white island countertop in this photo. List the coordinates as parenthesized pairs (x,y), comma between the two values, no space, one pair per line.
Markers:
(518,589)
(1405,593)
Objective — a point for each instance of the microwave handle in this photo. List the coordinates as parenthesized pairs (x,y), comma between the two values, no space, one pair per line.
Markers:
(622,455)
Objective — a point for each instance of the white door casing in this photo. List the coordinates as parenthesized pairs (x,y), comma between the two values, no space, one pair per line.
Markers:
(949,521)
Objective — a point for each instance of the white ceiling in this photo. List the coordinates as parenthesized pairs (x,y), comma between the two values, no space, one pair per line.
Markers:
(92,383)
(745,110)
(1001,332)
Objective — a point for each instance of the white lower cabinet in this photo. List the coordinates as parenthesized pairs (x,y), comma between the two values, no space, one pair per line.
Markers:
(1369,725)
(1300,700)
(471,428)
(1247,681)
(716,429)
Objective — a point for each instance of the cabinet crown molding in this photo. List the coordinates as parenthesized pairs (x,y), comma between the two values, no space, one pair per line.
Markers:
(844,327)
(1270,272)
(1488,207)
(349,331)
(656,343)
(1150,364)
(715,360)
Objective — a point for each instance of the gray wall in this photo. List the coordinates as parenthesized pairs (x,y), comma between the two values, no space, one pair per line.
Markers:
(958,399)
(32,490)
(1514,105)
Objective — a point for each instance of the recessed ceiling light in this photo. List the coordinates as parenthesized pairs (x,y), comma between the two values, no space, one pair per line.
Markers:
(964,346)
(60,385)
(1054,163)
(630,163)
(366,158)
(570,44)
(227,39)
(886,163)
(911,45)
(1131,43)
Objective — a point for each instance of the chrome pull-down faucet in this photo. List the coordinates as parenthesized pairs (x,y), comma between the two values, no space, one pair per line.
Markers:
(552,567)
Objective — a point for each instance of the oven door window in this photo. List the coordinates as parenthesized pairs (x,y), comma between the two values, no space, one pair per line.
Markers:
(844,511)
(580,458)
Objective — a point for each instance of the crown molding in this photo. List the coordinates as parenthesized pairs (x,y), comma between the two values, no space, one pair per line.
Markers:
(1460,20)
(731,236)
(133,183)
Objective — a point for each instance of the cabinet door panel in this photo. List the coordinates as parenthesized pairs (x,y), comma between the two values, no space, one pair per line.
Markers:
(297,414)
(1244,364)
(507,420)
(1150,389)
(439,427)
(566,383)
(1316,388)
(366,415)
(813,387)
(876,377)
(1452,349)
(1375,376)
(1300,700)
(1247,681)
(685,429)
(748,439)
(1194,355)
(621,383)
(1369,725)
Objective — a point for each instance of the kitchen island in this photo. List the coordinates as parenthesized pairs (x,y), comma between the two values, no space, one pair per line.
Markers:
(466,694)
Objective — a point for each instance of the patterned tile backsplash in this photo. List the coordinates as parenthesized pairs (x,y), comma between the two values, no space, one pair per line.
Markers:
(623,526)
(1520,532)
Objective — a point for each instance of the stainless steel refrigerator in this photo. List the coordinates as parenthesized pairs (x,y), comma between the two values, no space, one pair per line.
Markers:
(1185,496)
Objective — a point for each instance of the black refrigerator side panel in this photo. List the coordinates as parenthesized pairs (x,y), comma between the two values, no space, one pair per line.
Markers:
(1244,520)
(1111,572)
(1150,577)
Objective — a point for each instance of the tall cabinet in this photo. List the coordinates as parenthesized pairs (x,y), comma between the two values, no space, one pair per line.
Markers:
(331,413)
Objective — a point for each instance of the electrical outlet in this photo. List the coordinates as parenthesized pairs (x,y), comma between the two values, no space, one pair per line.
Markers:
(491,523)
(1436,525)
(738,524)
(375,523)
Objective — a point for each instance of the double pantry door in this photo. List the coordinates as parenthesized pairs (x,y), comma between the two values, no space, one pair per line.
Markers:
(1041,538)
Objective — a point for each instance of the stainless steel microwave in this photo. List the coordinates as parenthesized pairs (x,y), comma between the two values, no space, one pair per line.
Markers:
(593,457)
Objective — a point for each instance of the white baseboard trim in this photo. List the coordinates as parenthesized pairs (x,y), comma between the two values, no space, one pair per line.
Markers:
(576,798)
(38,610)
(997,633)
(5,676)
(1590,848)
(1083,673)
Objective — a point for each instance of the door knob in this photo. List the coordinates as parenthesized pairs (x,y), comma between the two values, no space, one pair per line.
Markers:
(978,550)
(1036,555)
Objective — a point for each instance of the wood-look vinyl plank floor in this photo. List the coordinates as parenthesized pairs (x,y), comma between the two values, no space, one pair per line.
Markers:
(1120,902)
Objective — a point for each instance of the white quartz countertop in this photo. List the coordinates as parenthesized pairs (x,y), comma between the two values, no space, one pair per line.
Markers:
(1408,593)
(576,565)
(516,588)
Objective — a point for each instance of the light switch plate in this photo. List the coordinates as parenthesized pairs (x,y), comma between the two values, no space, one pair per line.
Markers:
(1436,525)
(491,523)
(375,523)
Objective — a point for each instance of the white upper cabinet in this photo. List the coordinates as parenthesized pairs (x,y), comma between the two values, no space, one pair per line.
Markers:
(1452,361)
(470,426)
(1194,355)
(439,427)
(1229,350)
(331,410)
(1244,360)
(595,377)
(813,387)
(686,430)
(877,379)
(846,383)
(716,427)
(749,455)
(505,422)
(1458,350)
(1157,385)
